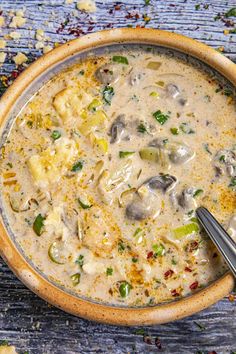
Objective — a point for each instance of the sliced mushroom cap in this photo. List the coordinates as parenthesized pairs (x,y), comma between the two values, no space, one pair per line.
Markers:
(180,153)
(146,203)
(225,161)
(172,90)
(161,182)
(108,73)
(135,77)
(117,129)
(186,199)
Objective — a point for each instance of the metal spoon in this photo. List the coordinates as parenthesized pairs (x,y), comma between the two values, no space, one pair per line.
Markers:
(219,236)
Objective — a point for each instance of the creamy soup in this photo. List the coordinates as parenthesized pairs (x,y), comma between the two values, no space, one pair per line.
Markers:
(104,168)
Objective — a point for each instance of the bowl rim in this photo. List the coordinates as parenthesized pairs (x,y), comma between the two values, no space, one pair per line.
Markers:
(158,314)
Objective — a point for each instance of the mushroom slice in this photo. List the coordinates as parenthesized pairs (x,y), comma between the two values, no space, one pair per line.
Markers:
(225,161)
(146,203)
(117,129)
(108,73)
(179,153)
(162,182)
(186,199)
(172,90)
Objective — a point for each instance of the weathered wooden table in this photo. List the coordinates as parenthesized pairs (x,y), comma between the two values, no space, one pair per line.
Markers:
(27,321)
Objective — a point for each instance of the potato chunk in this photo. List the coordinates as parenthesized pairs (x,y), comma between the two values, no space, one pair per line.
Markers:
(51,164)
(70,101)
(100,233)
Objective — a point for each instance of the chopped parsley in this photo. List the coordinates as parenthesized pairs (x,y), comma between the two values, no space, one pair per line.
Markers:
(161,117)
(197,7)
(109,271)
(232,182)
(206,147)
(75,279)
(120,59)
(134,259)
(107,94)
(158,249)
(80,260)
(38,225)
(141,128)
(55,134)
(174,131)
(77,166)
(83,205)
(197,192)
(123,154)
(121,246)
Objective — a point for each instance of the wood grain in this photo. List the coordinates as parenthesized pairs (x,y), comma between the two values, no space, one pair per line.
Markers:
(27,321)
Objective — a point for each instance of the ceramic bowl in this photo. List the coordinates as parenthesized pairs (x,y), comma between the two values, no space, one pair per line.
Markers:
(12,101)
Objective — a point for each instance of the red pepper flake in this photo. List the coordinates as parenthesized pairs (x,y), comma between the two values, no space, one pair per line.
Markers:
(168,274)
(212,352)
(117,7)
(150,255)
(187,269)
(231,297)
(174,293)
(192,246)
(14,74)
(158,343)
(129,15)
(214,255)
(194,285)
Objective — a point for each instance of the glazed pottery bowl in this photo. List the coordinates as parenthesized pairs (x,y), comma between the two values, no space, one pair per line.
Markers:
(14,99)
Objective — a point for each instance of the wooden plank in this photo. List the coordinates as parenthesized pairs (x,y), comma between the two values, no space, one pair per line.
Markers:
(27,321)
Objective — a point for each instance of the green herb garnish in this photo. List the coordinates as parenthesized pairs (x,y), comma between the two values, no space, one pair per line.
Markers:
(121,246)
(77,166)
(109,271)
(158,249)
(174,131)
(197,7)
(83,205)
(81,72)
(123,154)
(147,2)
(107,94)
(55,134)
(231,12)
(199,325)
(124,289)
(75,278)
(197,192)
(80,260)
(38,224)
(186,129)
(141,128)
(120,59)
(232,182)
(206,147)
(134,259)
(161,117)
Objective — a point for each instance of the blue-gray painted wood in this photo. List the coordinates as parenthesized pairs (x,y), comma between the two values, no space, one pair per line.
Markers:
(27,321)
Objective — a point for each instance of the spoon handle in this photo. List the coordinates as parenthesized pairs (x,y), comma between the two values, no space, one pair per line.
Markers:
(219,236)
